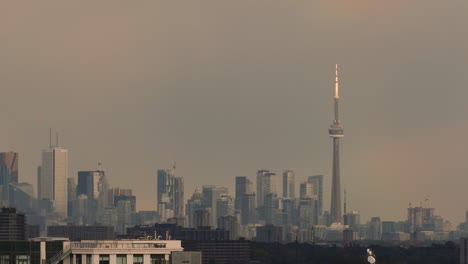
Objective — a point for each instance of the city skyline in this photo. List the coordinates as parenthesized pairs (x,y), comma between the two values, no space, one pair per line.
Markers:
(225,96)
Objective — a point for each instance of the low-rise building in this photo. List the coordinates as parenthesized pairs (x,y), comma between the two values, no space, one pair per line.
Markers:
(120,251)
(61,250)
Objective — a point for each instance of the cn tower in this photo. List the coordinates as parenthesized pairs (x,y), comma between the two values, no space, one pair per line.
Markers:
(336,132)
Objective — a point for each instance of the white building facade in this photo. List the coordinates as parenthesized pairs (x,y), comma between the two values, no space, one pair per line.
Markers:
(117,252)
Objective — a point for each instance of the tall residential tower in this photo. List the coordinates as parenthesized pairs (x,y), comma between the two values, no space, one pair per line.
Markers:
(289,184)
(336,132)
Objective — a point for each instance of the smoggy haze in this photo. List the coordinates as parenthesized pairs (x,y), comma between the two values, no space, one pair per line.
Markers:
(229,87)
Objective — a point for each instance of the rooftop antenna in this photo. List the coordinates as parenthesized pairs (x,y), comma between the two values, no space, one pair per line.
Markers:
(99,165)
(345,201)
(345,217)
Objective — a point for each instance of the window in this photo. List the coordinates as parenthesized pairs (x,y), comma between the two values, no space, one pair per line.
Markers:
(137,259)
(22,259)
(121,259)
(5,259)
(158,259)
(78,259)
(89,259)
(103,259)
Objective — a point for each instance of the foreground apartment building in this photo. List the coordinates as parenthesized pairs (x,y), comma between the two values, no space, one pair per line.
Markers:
(57,250)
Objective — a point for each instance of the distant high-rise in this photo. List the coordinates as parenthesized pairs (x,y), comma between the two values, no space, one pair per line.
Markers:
(88,183)
(354,219)
(224,206)
(243,186)
(211,194)
(289,184)
(336,132)
(9,160)
(113,192)
(165,196)
(420,219)
(260,193)
(270,206)
(306,212)
(202,217)
(306,190)
(178,197)
(193,204)
(230,224)
(52,178)
(266,184)
(248,212)
(71,193)
(8,176)
(375,229)
(125,208)
(317,182)
(94,185)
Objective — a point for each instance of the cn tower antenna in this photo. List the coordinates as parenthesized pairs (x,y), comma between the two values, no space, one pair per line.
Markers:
(336,82)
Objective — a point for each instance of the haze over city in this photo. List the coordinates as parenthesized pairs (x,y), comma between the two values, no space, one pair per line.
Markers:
(227,88)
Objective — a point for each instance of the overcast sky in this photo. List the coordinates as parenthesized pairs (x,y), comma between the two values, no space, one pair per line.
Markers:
(229,87)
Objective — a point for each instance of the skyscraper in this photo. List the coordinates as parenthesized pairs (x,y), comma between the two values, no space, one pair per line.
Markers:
(53,178)
(375,229)
(260,179)
(178,197)
(8,175)
(224,206)
(211,194)
(354,219)
(165,196)
(193,204)
(71,193)
(88,183)
(336,132)
(317,182)
(306,190)
(10,161)
(94,185)
(289,184)
(248,212)
(243,186)
(266,184)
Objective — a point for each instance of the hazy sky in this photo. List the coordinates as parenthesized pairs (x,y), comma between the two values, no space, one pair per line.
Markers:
(229,87)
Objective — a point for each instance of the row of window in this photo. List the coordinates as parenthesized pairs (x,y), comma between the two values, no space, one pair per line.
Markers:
(103,259)
(120,259)
(20,259)
(118,245)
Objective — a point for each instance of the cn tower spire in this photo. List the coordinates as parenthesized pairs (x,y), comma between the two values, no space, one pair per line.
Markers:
(336,132)
(336,82)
